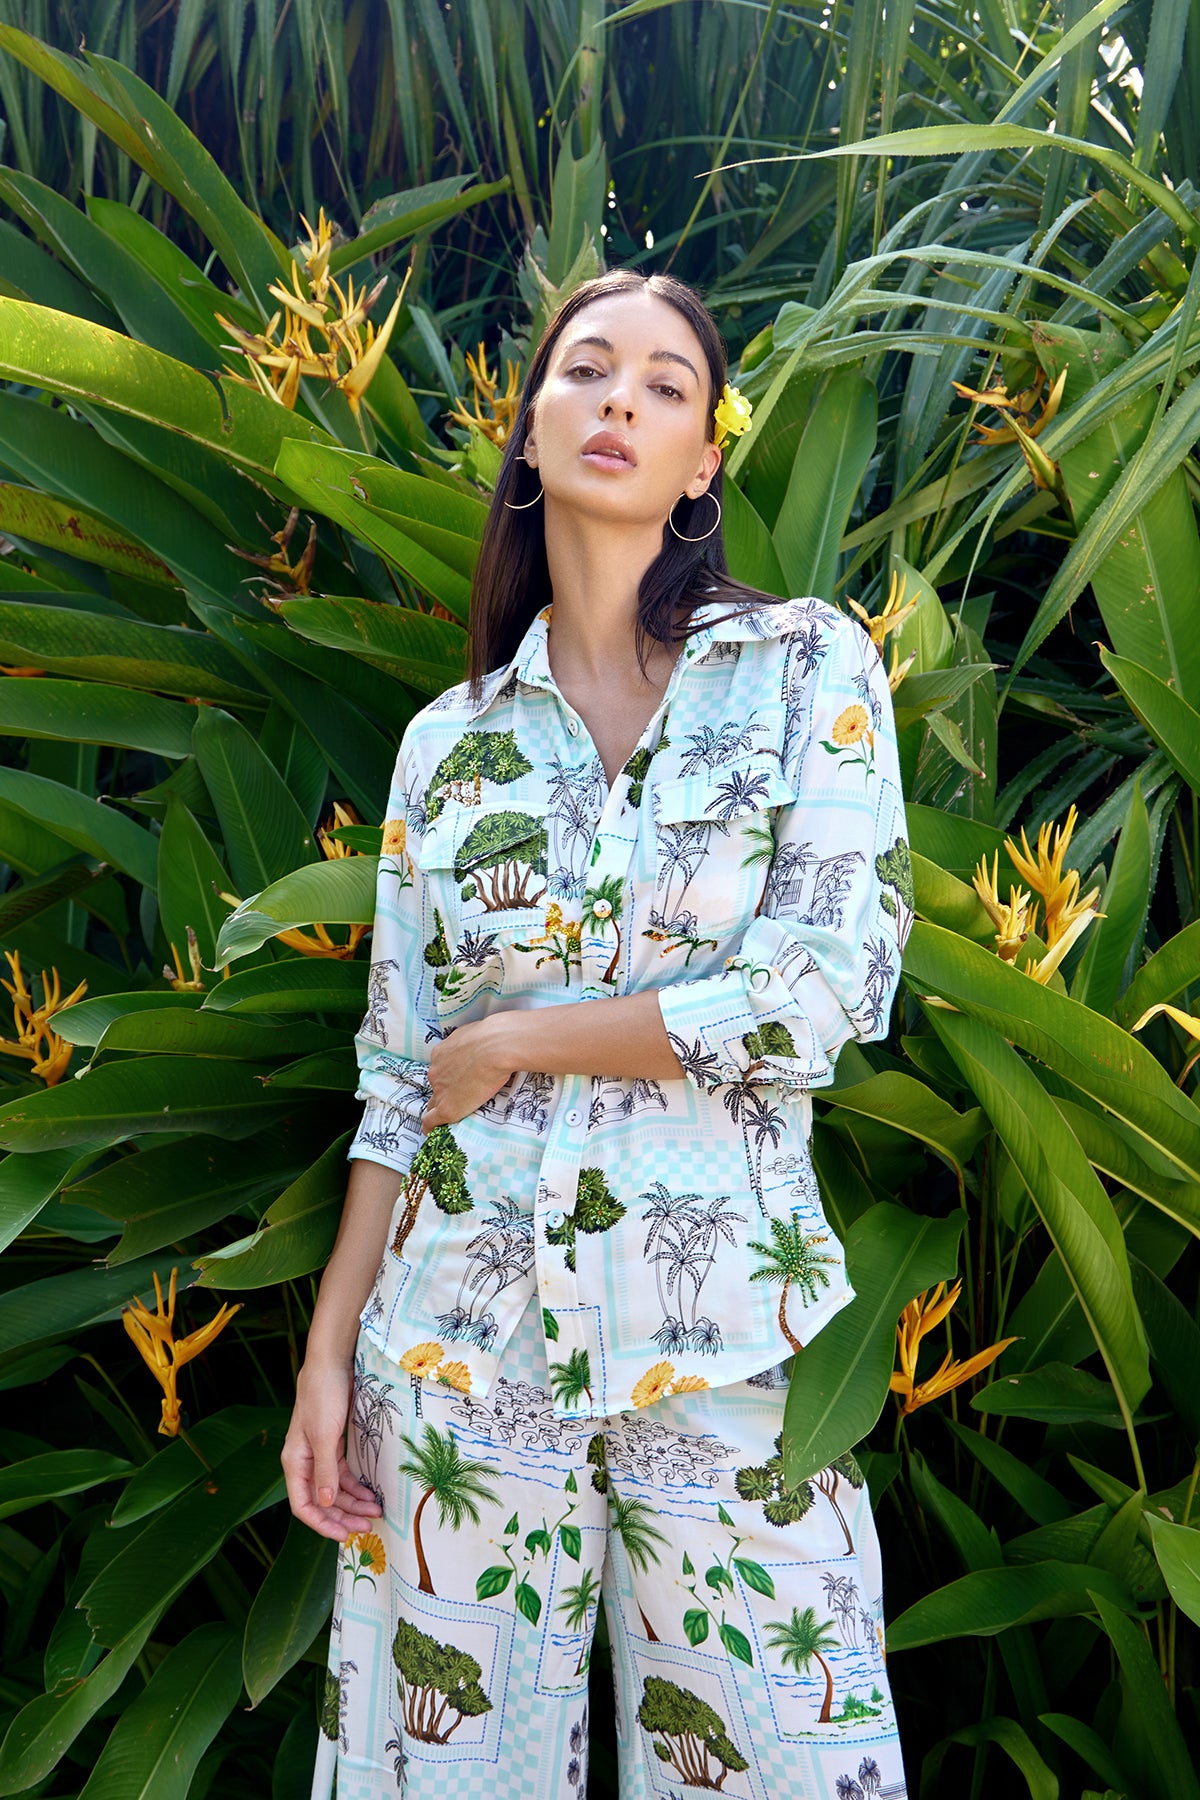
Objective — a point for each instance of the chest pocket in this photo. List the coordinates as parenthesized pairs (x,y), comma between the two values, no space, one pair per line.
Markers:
(485,868)
(714,843)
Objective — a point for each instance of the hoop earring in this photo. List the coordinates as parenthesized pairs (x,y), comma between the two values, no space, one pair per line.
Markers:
(524,505)
(704,534)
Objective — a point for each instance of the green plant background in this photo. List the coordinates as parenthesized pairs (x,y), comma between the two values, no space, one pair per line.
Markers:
(903,199)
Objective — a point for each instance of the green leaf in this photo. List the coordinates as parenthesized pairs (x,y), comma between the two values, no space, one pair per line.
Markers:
(695,1625)
(527,1602)
(58,1304)
(289,1609)
(919,695)
(1177,1548)
(549,1326)
(749,549)
(427,653)
(840,1381)
(151,1094)
(99,830)
(399,216)
(723,1516)
(295,1234)
(908,1105)
(158,1741)
(1040,1779)
(538,1540)
(1112,939)
(41,1478)
(88,1020)
(180,1540)
(177,1466)
(340,892)
(1167,716)
(571,1539)
(265,832)
(89,712)
(988,1601)
(1162,977)
(1174,1345)
(1057,1394)
(126,652)
(717,1577)
(755,1576)
(493,1581)
(736,1643)
(190,883)
(1148,1724)
(26,1184)
(73,530)
(44,1729)
(1063,1186)
(298,985)
(831,460)
(1069,1038)
(188,1031)
(1044,1504)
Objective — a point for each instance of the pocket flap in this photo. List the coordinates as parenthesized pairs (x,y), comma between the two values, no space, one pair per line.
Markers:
(464,838)
(750,785)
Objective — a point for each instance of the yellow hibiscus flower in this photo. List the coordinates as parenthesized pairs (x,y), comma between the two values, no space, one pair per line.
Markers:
(731,416)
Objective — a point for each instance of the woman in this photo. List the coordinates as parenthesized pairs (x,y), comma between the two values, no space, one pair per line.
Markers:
(582,1236)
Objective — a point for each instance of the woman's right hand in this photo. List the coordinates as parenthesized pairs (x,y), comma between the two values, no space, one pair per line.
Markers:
(322,1490)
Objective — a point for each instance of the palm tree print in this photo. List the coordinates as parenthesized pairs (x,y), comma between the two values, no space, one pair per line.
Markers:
(794,1261)
(683,930)
(577,1606)
(713,745)
(602,907)
(456,1483)
(685,1231)
(375,1413)
(842,1468)
(841,1596)
(503,1252)
(685,847)
(868,1785)
(633,1522)
(743,790)
(569,1381)
(749,1106)
(802,1640)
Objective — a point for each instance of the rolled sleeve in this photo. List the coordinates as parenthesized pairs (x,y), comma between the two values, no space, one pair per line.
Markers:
(820,963)
(391,1043)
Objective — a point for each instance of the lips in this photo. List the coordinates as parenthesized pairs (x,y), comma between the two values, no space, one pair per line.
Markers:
(610,449)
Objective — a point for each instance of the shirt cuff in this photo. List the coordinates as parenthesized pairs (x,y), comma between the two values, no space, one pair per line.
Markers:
(387,1134)
(747,1024)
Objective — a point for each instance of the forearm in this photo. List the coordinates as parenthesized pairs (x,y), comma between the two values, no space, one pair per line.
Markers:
(371,1194)
(623,1036)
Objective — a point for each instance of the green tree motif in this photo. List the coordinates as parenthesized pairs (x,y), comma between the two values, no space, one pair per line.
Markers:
(596,1209)
(570,1380)
(633,1522)
(330,1697)
(894,869)
(802,1640)
(439,1168)
(696,1743)
(437,950)
(771,1039)
(502,855)
(477,757)
(454,1481)
(793,1260)
(602,907)
(577,1606)
(785,1505)
(434,1680)
(638,767)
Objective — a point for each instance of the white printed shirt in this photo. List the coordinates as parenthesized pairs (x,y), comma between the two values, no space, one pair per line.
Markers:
(749,864)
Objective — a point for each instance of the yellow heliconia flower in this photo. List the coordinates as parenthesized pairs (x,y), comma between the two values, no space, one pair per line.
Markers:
(332,848)
(1011,920)
(919,1318)
(1067,915)
(422,1359)
(153,1333)
(321,944)
(892,615)
(1189,1022)
(296,575)
(653,1384)
(1018,407)
(46,1052)
(494,413)
(731,416)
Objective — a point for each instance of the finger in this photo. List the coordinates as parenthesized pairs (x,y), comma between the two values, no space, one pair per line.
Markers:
(328,1521)
(325,1475)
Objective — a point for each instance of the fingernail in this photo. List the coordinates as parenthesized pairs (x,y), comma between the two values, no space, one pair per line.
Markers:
(326,1497)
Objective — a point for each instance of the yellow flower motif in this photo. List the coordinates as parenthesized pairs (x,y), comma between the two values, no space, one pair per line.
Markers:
(731,417)
(554,918)
(46,1052)
(163,1353)
(653,1384)
(688,1384)
(918,1319)
(455,1375)
(395,837)
(422,1359)
(851,724)
(371,1552)
(494,413)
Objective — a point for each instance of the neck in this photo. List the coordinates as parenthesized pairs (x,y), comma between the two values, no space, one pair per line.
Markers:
(596,567)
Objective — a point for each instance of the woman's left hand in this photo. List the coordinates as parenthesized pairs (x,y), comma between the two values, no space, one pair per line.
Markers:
(466,1068)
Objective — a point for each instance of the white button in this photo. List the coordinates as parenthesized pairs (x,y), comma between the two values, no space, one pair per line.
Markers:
(602,910)
(573,727)
(555,1219)
(574,1118)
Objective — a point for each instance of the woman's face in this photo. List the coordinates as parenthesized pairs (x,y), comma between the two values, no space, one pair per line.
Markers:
(621,423)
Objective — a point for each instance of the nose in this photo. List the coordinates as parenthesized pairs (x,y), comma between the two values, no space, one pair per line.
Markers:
(616,405)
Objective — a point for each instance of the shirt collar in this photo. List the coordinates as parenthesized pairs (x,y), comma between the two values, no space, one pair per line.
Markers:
(531,664)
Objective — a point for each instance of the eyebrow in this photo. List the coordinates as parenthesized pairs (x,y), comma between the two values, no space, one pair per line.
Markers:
(656,356)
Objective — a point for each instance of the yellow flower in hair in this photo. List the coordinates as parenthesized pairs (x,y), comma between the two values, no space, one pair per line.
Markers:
(731,417)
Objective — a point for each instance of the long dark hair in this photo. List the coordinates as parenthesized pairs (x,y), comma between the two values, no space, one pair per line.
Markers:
(512,580)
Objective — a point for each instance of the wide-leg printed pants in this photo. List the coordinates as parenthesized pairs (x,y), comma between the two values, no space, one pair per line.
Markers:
(745,1616)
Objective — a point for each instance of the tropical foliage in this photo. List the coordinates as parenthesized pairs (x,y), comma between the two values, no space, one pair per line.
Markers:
(969,327)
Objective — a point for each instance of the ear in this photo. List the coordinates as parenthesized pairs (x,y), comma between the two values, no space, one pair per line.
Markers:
(529,449)
(710,462)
